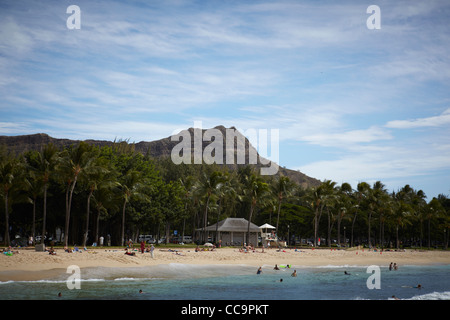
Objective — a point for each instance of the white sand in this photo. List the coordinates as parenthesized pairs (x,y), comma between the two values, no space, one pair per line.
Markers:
(29,264)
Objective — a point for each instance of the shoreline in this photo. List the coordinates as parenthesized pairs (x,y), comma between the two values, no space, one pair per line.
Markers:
(29,265)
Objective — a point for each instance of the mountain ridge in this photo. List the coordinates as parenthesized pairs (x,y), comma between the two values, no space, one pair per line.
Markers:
(157,149)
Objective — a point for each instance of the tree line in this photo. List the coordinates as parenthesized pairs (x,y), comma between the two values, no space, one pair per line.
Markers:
(88,191)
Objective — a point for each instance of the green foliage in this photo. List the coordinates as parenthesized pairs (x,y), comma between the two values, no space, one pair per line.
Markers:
(113,190)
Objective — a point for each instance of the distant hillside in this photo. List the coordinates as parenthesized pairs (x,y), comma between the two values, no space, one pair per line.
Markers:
(156,149)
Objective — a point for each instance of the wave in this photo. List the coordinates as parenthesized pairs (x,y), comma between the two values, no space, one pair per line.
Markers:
(158,272)
(433,296)
(45,281)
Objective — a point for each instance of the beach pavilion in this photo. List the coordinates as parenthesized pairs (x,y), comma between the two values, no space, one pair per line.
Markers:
(233,231)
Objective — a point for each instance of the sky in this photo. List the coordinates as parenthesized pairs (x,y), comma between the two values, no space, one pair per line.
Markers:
(351,102)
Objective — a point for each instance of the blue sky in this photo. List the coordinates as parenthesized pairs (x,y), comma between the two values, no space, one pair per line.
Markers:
(351,104)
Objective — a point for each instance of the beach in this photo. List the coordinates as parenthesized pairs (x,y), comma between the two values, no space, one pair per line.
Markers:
(29,264)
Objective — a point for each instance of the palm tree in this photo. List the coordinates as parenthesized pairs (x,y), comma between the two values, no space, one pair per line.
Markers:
(445,203)
(403,209)
(47,159)
(434,210)
(34,189)
(360,194)
(10,186)
(132,186)
(72,163)
(106,197)
(385,210)
(255,189)
(282,188)
(315,199)
(419,209)
(344,204)
(92,177)
(375,198)
(330,199)
(226,190)
(206,187)
(187,184)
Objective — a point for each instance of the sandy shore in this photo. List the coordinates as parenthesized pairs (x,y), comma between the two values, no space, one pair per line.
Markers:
(31,265)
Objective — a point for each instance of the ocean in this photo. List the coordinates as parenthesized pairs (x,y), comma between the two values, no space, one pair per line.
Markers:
(238,282)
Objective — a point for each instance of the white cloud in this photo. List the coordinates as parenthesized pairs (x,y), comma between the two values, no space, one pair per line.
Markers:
(435,121)
(387,163)
(348,138)
(13,128)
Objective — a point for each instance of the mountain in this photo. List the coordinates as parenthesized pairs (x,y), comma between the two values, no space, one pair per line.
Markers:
(188,140)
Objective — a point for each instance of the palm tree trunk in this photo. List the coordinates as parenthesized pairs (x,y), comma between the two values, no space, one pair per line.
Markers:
(167,233)
(248,224)
(317,217)
(7,239)
(396,233)
(123,221)
(368,231)
(68,207)
(315,226)
(33,227)
(86,230)
(205,220)
(278,213)
(44,218)
(353,226)
(429,233)
(97,226)
(339,229)
(66,229)
(421,233)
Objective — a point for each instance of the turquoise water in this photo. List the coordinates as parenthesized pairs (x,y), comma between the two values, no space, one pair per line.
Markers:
(213,282)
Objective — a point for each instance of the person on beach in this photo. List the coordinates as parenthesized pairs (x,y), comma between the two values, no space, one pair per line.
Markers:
(395,266)
(259,270)
(294,274)
(390,267)
(142,246)
(152,248)
(276,268)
